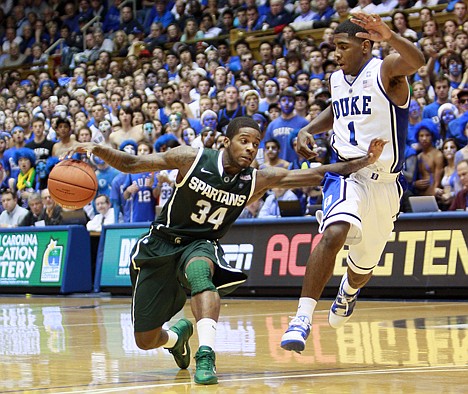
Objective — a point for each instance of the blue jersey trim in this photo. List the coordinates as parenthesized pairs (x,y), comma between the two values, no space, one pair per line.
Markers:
(399,130)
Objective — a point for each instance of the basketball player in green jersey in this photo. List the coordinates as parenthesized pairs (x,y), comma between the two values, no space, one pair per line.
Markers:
(182,246)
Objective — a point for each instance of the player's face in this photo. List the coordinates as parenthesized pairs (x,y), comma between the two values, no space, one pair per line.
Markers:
(349,53)
(243,148)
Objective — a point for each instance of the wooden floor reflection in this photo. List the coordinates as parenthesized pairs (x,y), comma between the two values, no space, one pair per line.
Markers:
(85,345)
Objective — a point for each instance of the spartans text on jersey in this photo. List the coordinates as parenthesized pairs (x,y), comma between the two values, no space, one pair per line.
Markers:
(217,195)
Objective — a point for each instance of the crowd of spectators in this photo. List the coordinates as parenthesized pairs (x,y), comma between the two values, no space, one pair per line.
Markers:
(164,76)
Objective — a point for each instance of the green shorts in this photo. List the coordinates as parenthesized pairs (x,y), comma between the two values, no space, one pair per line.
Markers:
(157,269)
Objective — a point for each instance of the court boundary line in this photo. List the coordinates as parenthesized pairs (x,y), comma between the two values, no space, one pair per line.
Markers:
(426,369)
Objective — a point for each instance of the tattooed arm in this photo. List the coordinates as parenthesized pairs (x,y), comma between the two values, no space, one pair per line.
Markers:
(181,158)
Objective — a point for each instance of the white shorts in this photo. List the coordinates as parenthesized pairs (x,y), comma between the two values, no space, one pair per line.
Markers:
(370,202)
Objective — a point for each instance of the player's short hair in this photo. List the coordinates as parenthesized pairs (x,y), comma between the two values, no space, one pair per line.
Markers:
(351,29)
(238,123)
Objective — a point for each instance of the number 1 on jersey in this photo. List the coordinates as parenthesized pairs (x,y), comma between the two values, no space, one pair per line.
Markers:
(352,134)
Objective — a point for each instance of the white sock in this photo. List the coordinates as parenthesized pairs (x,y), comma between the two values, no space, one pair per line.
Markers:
(306,307)
(346,286)
(206,332)
(172,340)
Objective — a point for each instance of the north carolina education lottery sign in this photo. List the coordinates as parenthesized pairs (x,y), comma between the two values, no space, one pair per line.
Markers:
(32,258)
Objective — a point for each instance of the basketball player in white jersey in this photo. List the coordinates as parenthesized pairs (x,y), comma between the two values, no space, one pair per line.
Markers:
(370,99)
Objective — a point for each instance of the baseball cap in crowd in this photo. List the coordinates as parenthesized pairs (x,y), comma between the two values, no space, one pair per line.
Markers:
(300,93)
(79,92)
(201,46)
(61,111)
(96,90)
(322,91)
(25,82)
(249,93)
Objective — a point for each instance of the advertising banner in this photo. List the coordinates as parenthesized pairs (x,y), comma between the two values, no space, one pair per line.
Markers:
(32,258)
(423,251)
(420,253)
(116,255)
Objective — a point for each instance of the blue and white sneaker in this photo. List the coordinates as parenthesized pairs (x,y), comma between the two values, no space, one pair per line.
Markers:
(295,337)
(342,308)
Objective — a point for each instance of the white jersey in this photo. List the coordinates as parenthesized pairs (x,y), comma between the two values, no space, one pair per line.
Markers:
(362,111)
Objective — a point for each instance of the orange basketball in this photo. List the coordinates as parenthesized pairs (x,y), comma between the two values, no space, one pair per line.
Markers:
(72,184)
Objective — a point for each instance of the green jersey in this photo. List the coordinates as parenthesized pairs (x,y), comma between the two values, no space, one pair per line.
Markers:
(207,201)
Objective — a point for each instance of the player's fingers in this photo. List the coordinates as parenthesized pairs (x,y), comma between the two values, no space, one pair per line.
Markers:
(307,152)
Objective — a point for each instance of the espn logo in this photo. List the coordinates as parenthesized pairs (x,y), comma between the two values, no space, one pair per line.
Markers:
(126,246)
(239,255)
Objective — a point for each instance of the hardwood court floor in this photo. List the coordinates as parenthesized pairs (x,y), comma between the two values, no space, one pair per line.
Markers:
(85,345)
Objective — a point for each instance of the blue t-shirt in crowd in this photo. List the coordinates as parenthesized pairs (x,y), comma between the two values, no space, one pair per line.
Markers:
(280,129)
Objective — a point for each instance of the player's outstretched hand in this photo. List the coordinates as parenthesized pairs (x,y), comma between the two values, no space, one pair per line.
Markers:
(79,147)
(375,149)
(306,144)
(377,28)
